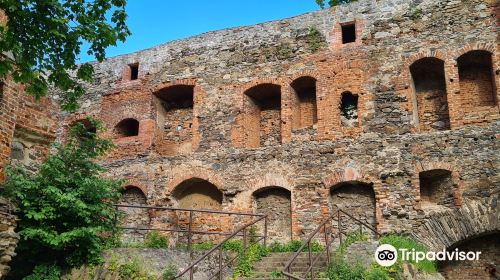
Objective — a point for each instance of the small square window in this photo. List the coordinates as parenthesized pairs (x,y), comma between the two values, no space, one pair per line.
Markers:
(134,71)
(348,33)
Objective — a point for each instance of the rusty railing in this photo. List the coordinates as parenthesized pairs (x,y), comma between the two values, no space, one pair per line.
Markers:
(242,232)
(326,228)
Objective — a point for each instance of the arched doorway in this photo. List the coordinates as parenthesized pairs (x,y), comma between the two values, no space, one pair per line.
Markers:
(358,200)
(134,217)
(276,202)
(486,268)
(198,194)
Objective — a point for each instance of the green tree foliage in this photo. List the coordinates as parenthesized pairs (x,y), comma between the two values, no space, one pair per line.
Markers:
(66,208)
(44,38)
(332,3)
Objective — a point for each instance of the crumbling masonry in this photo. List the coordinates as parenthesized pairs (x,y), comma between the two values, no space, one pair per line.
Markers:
(387,108)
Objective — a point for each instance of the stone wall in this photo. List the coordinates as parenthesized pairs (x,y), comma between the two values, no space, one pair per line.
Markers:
(487,267)
(276,203)
(8,237)
(406,124)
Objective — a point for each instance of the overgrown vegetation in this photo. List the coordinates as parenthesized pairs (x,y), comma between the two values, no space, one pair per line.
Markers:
(314,39)
(409,243)
(45,272)
(332,3)
(339,269)
(170,272)
(130,270)
(45,38)
(293,246)
(350,239)
(247,260)
(66,208)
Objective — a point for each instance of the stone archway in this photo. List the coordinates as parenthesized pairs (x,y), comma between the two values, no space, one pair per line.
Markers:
(446,229)
(276,202)
(134,217)
(198,194)
(357,199)
(486,268)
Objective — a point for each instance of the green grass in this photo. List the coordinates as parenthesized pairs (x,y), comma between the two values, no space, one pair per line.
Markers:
(409,243)
(293,246)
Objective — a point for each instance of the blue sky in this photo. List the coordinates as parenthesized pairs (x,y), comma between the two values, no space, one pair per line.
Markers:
(154,22)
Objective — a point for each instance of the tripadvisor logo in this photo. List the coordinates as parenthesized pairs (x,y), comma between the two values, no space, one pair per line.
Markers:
(387,255)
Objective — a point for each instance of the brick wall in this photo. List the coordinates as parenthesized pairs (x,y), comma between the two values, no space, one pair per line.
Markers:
(485,268)
(402,124)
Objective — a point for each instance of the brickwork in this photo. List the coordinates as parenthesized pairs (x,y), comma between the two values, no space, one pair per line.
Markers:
(358,200)
(134,217)
(265,110)
(276,203)
(422,104)
(486,268)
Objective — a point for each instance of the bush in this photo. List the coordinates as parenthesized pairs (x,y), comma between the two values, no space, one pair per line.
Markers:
(293,246)
(409,243)
(44,272)
(341,270)
(66,208)
(350,239)
(170,272)
(253,254)
(155,240)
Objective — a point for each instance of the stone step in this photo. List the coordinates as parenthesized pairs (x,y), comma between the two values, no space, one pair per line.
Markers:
(295,264)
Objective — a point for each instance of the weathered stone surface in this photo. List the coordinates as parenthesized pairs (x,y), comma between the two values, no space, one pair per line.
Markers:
(247,125)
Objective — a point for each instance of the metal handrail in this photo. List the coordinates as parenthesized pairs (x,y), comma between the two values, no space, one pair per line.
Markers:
(312,261)
(239,232)
(190,231)
(218,247)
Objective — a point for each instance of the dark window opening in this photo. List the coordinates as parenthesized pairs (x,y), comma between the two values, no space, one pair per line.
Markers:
(348,33)
(263,113)
(305,112)
(436,188)
(430,100)
(477,84)
(134,71)
(349,109)
(127,128)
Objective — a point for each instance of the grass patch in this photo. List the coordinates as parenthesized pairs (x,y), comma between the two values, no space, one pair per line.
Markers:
(405,242)
(293,246)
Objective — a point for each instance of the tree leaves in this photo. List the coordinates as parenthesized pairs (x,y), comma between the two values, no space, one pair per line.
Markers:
(67,205)
(331,3)
(44,39)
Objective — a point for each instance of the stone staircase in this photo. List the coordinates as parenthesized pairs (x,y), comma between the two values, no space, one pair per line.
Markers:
(268,267)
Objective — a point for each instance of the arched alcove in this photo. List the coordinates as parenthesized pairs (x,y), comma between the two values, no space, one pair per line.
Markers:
(134,217)
(126,128)
(430,95)
(263,115)
(305,111)
(276,202)
(358,200)
(485,268)
(197,193)
(477,86)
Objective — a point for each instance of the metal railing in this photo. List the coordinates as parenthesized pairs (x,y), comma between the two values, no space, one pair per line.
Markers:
(242,232)
(326,228)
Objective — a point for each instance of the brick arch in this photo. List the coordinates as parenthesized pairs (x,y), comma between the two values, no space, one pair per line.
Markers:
(433,165)
(447,229)
(306,73)
(182,82)
(193,172)
(131,183)
(473,47)
(269,179)
(275,81)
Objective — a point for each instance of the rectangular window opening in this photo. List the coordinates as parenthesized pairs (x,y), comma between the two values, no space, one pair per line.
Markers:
(348,33)
(134,71)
